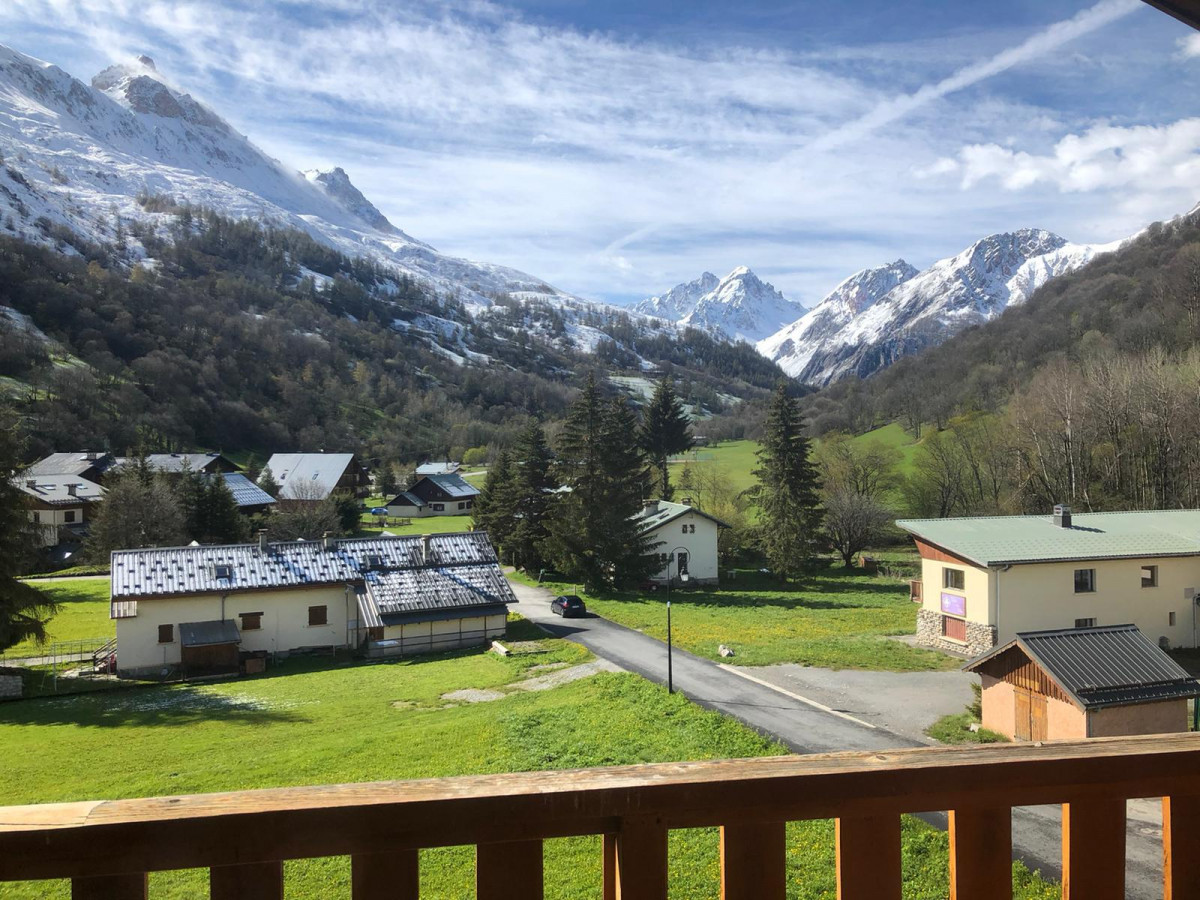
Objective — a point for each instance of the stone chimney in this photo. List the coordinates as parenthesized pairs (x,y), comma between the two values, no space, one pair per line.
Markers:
(649,507)
(328,541)
(72,489)
(426,550)
(263,546)
(1062,516)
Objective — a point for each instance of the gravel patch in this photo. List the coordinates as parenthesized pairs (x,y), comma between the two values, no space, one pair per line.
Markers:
(566,676)
(472,695)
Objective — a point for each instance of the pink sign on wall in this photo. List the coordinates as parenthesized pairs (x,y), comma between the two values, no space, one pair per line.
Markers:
(954,604)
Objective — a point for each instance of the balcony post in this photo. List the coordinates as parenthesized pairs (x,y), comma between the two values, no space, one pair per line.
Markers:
(868,858)
(1181,863)
(981,854)
(252,881)
(642,859)
(511,870)
(394,876)
(111,887)
(754,861)
(1093,850)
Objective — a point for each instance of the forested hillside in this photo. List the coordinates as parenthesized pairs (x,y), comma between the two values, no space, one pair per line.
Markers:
(1088,394)
(243,337)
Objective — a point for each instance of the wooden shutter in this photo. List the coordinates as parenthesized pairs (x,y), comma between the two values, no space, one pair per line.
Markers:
(1023,715)
(953,628)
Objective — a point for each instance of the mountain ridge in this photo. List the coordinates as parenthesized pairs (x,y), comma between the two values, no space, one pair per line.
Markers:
(740,306)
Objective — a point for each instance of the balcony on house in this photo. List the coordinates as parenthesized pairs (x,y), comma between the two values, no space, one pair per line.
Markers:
(107,847)
(914,590)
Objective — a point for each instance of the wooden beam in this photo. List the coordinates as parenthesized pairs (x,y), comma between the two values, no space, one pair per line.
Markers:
(1186,11)
(754,861)
(154,834)
(511,870)
(1093,850)
(1181,834)
(981,854)
(385,876)
(642,860)
(251,881)
(134,886)
(868,858)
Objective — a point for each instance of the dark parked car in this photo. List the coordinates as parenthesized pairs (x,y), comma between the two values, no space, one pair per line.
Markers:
(569,607)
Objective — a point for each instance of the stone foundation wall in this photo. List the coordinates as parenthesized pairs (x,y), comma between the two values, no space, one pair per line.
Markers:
(11,687)
(980,637)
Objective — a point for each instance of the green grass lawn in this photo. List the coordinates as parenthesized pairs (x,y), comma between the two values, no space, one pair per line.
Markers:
(893,435)
(310,723)
(83,613)
(430,525)
(736,458)
(837,619)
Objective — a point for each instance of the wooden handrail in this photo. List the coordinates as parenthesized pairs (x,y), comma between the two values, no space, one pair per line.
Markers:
(251,831)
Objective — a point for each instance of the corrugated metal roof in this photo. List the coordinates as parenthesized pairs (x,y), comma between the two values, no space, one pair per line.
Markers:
(454,485)
(71,463)
(56,489)
(656,513)
(437,468)
(299,474)
(406,498)
(206,634)
(1001,540)
(177,571)
(174,462)
(431,589)
(1109,665)
(246,492)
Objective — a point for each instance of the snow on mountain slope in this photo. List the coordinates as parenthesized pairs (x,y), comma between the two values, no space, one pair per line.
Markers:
(739,306)
(974,286)
(79,156)
(794,345)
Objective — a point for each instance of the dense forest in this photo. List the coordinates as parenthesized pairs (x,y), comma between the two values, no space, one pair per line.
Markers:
(1087,394)
(238,336)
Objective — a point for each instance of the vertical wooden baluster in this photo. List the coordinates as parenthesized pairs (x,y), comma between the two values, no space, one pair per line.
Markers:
(609,863)
(642,860)
(394,876)
(252,881)
(1093,850)
(1181,862)
(509,871)
(868,858)
(111,887)
(981,854)
(754,861)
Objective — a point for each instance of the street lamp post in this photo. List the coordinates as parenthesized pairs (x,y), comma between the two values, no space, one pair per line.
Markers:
(683,577)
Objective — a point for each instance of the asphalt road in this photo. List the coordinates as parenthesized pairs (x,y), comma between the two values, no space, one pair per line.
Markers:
(806,726)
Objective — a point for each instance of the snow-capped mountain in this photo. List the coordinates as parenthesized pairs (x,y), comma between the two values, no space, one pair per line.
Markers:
(82,156)
(740,306)
(798,342)
(926,308)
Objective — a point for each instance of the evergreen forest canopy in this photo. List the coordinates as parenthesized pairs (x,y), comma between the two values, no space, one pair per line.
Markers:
(240,336)
(1088,394)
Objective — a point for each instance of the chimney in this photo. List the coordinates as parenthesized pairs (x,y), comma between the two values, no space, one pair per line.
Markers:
(72,488)
(649,507)
(686,501)
(263,546)
(329,541)
(1062,516)
(426,555)
(31,483)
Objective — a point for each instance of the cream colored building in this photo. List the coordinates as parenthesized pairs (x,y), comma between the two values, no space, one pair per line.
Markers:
(188,607)
(59,505)
(985,579)
(684,536)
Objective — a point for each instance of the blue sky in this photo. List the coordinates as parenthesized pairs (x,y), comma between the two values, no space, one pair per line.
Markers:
(618,148)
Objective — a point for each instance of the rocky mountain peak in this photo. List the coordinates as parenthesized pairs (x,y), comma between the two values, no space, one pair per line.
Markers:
(337,185)
(138,86)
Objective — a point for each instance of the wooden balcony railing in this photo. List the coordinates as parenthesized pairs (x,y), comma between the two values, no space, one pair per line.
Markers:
(914,590)
(107,847)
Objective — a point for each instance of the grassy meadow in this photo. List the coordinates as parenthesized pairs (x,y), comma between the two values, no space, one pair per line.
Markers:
(836,618)
(82,614)
(308,723)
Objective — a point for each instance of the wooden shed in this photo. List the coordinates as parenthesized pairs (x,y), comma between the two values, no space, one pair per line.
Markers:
(1082,682)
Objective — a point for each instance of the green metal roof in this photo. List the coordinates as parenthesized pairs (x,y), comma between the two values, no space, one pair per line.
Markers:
(1003,540)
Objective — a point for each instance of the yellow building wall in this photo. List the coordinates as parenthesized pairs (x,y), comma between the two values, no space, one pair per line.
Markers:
(448,634)
(701,547)
(1042,596)
(976,589)
(284,622)
(1064,721)
(999,706)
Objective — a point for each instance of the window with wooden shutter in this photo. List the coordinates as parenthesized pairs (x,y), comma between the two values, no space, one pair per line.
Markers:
(251,621)
(955,629)
(317,615)
(166,634)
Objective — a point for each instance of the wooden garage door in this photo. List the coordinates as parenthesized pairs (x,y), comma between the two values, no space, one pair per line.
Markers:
(1030,715)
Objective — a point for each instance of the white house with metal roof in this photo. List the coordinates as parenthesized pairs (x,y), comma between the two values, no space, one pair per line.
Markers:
(397,595)
(314,476)
(435,495)
(985,579)
(686,539)
(59,505)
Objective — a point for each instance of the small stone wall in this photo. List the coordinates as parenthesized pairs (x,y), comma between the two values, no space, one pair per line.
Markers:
(11,687)
(980,637)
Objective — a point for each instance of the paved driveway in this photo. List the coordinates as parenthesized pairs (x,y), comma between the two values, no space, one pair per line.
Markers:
(840,711)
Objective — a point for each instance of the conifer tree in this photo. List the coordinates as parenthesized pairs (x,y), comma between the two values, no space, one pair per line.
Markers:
(787,489)
(387,482)
(666,430)
(24,610)
(492,511)
(267,482)
(529,499)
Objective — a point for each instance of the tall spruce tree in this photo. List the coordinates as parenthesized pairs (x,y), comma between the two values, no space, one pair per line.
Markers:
(492,511)
(24,610)
(787,489)
(593,536)
(267,482)
(530,498)
(666,430)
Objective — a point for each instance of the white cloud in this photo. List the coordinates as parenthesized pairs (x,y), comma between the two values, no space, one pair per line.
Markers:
(1189,45)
